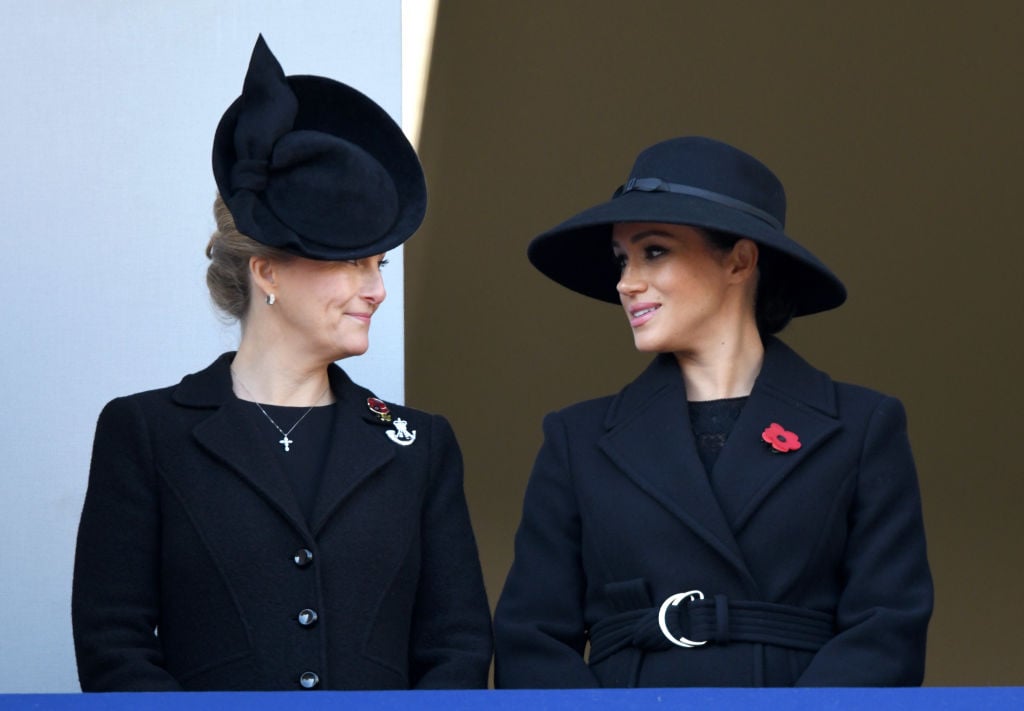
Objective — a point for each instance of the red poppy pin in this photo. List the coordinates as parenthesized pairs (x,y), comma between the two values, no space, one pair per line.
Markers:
(379,408)
(780,439)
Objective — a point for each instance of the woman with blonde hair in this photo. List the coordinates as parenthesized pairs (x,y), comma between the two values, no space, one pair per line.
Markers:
(266,523)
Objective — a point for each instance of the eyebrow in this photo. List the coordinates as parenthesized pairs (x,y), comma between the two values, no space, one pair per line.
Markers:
(644,234)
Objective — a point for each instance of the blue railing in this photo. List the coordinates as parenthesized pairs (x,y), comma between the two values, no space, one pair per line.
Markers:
(926,699)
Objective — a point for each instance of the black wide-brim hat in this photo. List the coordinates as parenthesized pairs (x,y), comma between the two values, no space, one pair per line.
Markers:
(686,181)
(311,166)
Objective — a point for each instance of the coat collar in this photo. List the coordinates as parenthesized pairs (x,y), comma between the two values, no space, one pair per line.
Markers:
(354,453)
(649,437)
(783,372)
(792,393)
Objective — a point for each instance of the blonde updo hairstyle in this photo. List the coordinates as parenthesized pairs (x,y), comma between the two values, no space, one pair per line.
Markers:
(229,252)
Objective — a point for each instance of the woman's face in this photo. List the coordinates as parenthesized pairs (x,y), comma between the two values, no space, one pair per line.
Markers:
(677,290)
(325,307)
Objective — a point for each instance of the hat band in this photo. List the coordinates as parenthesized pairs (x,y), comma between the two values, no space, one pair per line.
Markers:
(657,185)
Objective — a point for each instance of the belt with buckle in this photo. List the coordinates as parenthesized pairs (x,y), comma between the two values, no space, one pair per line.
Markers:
(716,620)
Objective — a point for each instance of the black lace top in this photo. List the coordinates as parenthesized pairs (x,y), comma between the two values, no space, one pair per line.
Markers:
(712,421)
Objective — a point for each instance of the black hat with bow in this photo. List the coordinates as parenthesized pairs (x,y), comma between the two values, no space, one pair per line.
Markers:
(311,166)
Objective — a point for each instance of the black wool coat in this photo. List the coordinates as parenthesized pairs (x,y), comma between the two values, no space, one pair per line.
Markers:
(194,560)
(812,563)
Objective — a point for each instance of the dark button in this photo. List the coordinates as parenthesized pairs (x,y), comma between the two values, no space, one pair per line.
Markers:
(309,680)
(307,617)
(303,557)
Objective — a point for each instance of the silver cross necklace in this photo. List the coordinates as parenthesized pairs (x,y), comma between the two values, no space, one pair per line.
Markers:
(284,441)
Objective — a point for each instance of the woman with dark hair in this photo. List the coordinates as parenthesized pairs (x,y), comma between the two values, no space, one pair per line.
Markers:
(267,524)
(732,517)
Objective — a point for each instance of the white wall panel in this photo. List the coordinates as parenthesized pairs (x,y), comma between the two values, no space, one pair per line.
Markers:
(106,121)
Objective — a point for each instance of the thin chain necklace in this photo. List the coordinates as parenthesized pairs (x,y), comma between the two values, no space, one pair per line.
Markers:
(284,441)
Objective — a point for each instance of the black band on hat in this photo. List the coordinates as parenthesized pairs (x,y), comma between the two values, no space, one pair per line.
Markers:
(657,185)
(699,182)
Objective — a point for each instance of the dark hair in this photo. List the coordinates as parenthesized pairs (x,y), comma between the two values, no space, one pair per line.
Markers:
(774,301)
(229,251)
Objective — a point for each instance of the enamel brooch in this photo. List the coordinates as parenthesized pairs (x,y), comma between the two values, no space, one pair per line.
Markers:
(401,434)
(379,408)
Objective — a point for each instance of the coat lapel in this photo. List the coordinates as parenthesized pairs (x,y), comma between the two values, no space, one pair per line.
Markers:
(227,436)
(359,448)
(650,439)
(795,395)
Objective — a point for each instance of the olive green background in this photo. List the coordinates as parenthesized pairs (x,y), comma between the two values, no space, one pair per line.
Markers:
(896,128)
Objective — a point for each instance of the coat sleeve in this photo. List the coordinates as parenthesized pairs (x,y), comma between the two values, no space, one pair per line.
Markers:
(451,636)
(115,592)
(883,611)
(540,631)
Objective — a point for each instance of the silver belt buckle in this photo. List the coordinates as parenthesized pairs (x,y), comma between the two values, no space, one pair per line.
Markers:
(673,601)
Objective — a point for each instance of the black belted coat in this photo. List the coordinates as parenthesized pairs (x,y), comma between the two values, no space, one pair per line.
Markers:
(811,563)
(194,560)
